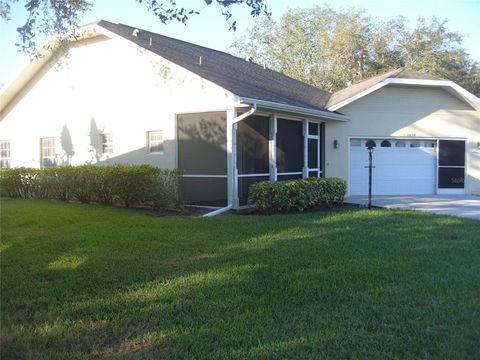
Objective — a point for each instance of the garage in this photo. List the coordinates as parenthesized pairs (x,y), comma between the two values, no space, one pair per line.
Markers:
(407,166)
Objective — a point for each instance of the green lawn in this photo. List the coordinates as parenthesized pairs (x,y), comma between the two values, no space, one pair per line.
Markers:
(84,281)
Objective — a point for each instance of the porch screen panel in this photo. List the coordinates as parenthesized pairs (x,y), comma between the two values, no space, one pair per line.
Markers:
(244,184)
(290,146)
(202,143)
(252,145)
(322,149)
(289,177)
(202,156)
(205,191)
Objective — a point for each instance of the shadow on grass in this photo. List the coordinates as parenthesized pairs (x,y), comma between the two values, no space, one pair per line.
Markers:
(354,284)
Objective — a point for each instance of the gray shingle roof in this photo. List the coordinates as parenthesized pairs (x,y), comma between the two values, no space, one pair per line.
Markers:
(243,78)
(357,88)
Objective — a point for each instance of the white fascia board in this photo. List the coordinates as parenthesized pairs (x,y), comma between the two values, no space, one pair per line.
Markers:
(32,66)
(293,109)
(357,96)
(465,95)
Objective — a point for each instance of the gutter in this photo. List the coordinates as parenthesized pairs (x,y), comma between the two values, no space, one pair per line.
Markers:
(295,109)
(234,159)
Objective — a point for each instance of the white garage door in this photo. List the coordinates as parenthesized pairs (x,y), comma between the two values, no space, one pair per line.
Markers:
(402,167)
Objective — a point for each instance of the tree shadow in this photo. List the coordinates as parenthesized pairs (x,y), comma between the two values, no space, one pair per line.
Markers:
(95,140)
(67,147)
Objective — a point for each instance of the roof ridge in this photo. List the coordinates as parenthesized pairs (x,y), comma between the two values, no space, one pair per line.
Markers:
(175,39)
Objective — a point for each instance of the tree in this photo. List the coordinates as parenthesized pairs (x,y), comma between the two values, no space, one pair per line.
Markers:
(50,17)
(331,49)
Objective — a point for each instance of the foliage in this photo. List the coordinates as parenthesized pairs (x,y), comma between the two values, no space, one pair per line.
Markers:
(90,282)
(331,48)
(62,16)
(296,195)
(128,185)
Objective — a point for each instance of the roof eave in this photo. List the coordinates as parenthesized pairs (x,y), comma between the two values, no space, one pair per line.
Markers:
(464,94)
(14,88)
(298,110)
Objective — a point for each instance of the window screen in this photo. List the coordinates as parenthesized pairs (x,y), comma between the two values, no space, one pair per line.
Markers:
(202,143)
(289,146)
(451,153)
(252,145)
(451,178)
(312,128)
(313,153)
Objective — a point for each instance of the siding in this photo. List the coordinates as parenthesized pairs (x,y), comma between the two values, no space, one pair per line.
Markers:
(111,86)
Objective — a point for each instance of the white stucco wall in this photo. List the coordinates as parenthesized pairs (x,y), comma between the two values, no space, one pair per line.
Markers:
(115,87)
(406,111)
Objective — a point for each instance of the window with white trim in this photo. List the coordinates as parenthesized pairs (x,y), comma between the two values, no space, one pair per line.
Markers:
(4,154)
(47,152)
(107,143)
(155,142)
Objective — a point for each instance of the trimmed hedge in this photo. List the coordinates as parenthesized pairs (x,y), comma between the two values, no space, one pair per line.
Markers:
(128,185)
(296,195)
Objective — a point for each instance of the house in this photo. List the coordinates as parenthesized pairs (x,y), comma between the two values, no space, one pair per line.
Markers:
(125,95)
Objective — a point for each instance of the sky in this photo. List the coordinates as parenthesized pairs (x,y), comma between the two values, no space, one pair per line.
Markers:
(211,30)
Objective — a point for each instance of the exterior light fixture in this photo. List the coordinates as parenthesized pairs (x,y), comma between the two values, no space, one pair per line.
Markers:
(336,145)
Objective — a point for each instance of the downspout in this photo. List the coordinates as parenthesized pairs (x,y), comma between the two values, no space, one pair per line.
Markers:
(234,159)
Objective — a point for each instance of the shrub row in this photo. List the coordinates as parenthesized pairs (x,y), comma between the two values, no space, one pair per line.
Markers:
(128,185)
(296,195)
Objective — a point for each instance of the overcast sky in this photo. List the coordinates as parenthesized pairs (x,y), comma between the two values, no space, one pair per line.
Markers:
(210,30)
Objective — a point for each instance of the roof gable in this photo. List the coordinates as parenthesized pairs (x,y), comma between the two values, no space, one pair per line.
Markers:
(400,76)
(244,79)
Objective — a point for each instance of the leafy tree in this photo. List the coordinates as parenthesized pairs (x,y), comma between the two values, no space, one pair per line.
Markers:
(331,49)
(51,17)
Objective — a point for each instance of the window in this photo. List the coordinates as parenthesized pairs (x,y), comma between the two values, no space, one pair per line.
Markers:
(312,128)
(370,143)
(355,142)
(155,142)
(430,143)
(4,154)
(107,143)
(415,143)
(47,152)
(385,143)
(400,143)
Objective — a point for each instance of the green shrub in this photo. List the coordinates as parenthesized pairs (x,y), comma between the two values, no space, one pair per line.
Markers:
(167,192)
(18,183)
(128,185)
(296,195)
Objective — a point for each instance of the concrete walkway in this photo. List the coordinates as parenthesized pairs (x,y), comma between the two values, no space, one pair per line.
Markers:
(457,205)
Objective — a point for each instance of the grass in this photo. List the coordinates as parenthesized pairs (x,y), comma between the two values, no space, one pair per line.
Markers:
(83,281)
